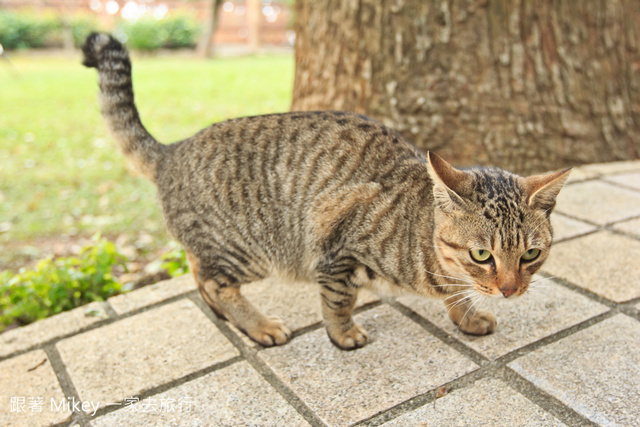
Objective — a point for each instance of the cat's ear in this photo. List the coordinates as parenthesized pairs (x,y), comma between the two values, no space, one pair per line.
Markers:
(542,190)
(449,183)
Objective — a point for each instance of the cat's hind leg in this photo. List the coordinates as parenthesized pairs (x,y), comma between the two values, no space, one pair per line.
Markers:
(338,300)
(221,291)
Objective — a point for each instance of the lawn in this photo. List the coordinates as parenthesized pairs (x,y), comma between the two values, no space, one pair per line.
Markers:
(60,174)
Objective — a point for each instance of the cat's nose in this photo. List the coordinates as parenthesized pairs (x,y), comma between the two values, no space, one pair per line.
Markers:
(508,283)
(507,292)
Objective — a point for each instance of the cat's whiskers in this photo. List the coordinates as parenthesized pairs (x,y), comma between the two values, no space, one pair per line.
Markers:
(449,277)
(542,279)
(462,292)
(540,283)
(459,285)
(462,301)
(540,286)
(533,294)
(476,301)
(482,299)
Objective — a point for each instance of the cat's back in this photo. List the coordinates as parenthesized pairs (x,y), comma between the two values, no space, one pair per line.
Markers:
(256,178)
(301,147)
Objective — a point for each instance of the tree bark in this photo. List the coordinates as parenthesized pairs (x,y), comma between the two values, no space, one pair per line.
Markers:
(524,85)
(254,15)
(205,44)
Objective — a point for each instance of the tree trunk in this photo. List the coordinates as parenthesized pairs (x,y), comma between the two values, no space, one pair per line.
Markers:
(205,44)
(524,85)
(254,14)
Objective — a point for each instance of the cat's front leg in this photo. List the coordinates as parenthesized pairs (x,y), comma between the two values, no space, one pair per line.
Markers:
(468,319)
(338,301)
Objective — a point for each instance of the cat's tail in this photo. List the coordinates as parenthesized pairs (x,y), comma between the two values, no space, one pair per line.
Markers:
(110,58)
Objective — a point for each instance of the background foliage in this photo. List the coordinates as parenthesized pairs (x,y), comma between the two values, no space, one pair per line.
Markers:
(21,31)
(25,31)
(61,176)
(57,285)
(151,34)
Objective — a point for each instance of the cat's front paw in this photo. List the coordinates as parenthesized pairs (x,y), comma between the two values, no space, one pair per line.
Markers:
(351,339)
(480,323)
(272,331)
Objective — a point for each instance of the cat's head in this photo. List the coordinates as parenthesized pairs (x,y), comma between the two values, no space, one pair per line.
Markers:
(492,227)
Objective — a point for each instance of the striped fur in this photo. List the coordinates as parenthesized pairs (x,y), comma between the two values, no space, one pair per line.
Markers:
(333,198)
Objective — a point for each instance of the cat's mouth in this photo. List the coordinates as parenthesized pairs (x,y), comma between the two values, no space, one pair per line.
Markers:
(511,291)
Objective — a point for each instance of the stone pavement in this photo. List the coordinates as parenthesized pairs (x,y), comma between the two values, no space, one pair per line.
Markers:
(566,353)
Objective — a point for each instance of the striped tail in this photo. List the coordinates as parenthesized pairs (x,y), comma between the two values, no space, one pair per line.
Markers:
(110,58)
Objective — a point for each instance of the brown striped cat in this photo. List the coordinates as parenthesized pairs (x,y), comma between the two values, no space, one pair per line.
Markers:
(332,198)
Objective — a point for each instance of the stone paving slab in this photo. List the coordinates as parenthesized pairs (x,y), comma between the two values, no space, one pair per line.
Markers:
(297,304)
(545,309)
(603,169)
(628,180)
(488,402)
(175,350)
(342,387)
(28,386)
(234,396)
(596,371)
(598,202)
(565,227)
(47,329)
(604,263)
(142,352)
(152,294)
(631,227)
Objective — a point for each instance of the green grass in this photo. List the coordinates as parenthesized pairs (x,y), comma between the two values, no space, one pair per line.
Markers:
(60,172)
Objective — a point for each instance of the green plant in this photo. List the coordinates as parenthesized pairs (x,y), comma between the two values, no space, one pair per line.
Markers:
(152,34)
(60,173)
(81,27)
(182,31)
(57,285)
(19,31)
(175,262)
(144,34)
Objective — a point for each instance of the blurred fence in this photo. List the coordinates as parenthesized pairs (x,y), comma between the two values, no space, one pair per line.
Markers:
(233,27)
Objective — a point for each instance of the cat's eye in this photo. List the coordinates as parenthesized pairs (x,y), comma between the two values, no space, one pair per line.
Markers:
(530,255)
(480,255)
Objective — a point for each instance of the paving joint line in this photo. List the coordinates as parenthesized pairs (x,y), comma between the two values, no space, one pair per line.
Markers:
(619,185)
(153,391)
(555,337)
(576,218)
(577,236)
(443,336)
(66,384)
(421,400)
(53,341)
(580,290)
(319,325)
(582,180)
(251,356)
(487,366)
(631,312)
(530,391)
(112,318)
(541,398)
(108,308)
(609,228)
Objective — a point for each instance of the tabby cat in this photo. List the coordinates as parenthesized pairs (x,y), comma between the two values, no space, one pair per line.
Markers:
(333,198)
